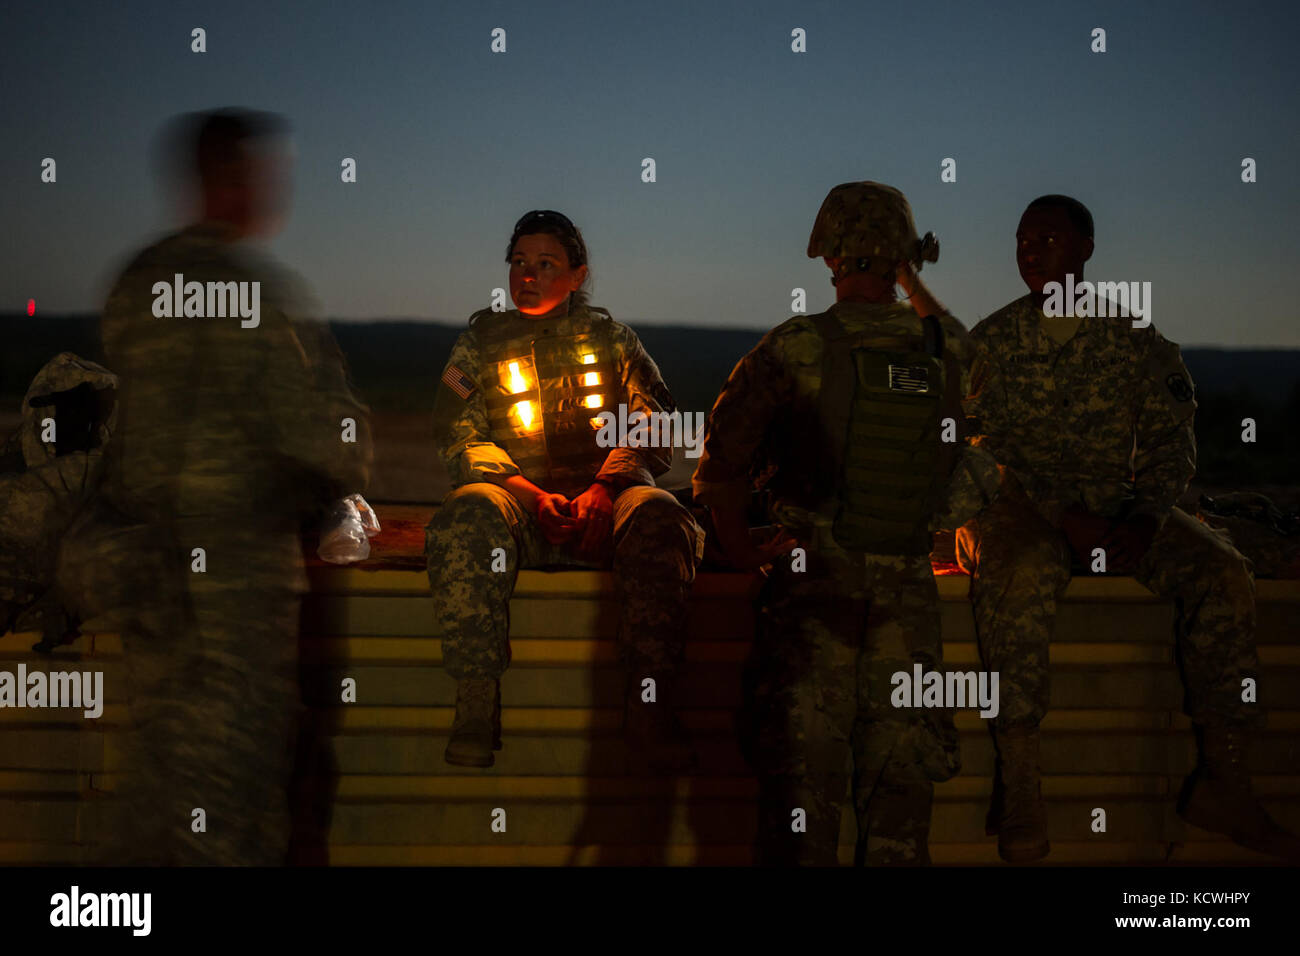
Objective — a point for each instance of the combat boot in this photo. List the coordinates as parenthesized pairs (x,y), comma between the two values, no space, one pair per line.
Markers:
(1217,796)
(476,729)
(652,730)
(1021,817)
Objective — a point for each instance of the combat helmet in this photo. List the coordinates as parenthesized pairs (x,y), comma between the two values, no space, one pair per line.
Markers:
(866,221)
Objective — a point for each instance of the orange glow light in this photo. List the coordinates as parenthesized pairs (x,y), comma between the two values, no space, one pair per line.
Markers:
(594,401)
(525,412)
(517,382)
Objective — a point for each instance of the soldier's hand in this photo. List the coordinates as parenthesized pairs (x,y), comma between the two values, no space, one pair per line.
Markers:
(1127,542)
(554,519)
(594,512)
(748,555)
(1084,531)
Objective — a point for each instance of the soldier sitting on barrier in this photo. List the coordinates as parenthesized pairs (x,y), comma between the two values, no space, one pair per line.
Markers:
(516,421)
(1091,420)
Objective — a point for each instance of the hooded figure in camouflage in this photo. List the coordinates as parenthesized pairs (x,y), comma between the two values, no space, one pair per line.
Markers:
(50,468)
(855,414)
(517,420)
(1091,418)
(235,426)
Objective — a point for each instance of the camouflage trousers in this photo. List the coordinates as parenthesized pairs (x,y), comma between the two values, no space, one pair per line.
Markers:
(820,720)
(1020,568)
(656,546)
(212,690)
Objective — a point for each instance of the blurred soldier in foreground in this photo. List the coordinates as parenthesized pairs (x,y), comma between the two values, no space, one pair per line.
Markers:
(50,469)
(1092,420)
(231,431)
(515,420)
(850,406)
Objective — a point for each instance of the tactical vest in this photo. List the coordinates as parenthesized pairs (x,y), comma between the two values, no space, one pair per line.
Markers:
(545,382)
(882,402)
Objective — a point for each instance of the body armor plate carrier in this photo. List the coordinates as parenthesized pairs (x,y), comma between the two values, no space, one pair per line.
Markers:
(883,403)
(545,383)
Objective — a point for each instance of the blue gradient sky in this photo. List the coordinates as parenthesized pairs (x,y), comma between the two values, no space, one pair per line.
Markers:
(453,143)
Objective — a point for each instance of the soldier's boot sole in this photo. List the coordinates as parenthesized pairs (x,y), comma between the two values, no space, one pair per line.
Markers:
(1024,841)
(1024,849)
(1220,807)
(471,750)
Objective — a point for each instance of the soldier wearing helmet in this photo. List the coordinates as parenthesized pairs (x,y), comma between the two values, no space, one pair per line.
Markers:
(851,406)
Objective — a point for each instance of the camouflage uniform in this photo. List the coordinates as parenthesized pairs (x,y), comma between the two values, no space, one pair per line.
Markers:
(44,486)
(228,438)
(819,681)
(656,543)
(1104,422)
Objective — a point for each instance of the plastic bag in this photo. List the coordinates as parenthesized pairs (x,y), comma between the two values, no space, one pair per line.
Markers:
(345,535)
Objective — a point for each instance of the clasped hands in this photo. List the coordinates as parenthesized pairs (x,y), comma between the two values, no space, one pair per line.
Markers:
(585,522)
(1124,541)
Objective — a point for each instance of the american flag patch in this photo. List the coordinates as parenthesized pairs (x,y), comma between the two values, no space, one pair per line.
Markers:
(458,381)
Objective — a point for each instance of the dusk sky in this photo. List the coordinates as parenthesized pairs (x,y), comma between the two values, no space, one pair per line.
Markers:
(454,142)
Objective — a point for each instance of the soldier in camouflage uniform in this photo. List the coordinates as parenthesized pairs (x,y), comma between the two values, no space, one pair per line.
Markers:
(229,436)
(515,420)
(1091,420)
(45,484)
(833,634)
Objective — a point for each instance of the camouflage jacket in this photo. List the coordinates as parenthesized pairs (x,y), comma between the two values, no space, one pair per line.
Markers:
(221,421)
(1104,421)
(768,411)
(461,430)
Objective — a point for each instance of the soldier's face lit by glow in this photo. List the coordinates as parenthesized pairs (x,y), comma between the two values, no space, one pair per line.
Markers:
(1048,246)
(540,277)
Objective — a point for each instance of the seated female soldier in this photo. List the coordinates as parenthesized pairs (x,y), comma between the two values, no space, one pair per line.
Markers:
(516,420)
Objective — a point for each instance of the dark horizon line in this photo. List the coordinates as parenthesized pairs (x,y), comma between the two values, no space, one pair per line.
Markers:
(676,324)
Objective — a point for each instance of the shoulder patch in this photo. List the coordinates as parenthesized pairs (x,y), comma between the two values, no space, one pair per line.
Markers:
(458,381)
(1179,387)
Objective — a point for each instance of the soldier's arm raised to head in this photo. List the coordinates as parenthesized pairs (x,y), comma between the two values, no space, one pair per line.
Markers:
(1164,458)
(646,393)
(460,422)
(918,293)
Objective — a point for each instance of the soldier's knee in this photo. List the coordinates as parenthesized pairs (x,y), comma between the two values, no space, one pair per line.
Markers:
(1229,573)
(657,521)
(655,504)
(474,503)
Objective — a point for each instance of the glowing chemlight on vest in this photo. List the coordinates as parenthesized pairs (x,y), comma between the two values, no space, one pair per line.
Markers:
(517,383)
(591,378)
(524,410)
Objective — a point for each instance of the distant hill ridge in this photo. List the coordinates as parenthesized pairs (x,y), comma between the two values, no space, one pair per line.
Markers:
(392,357)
